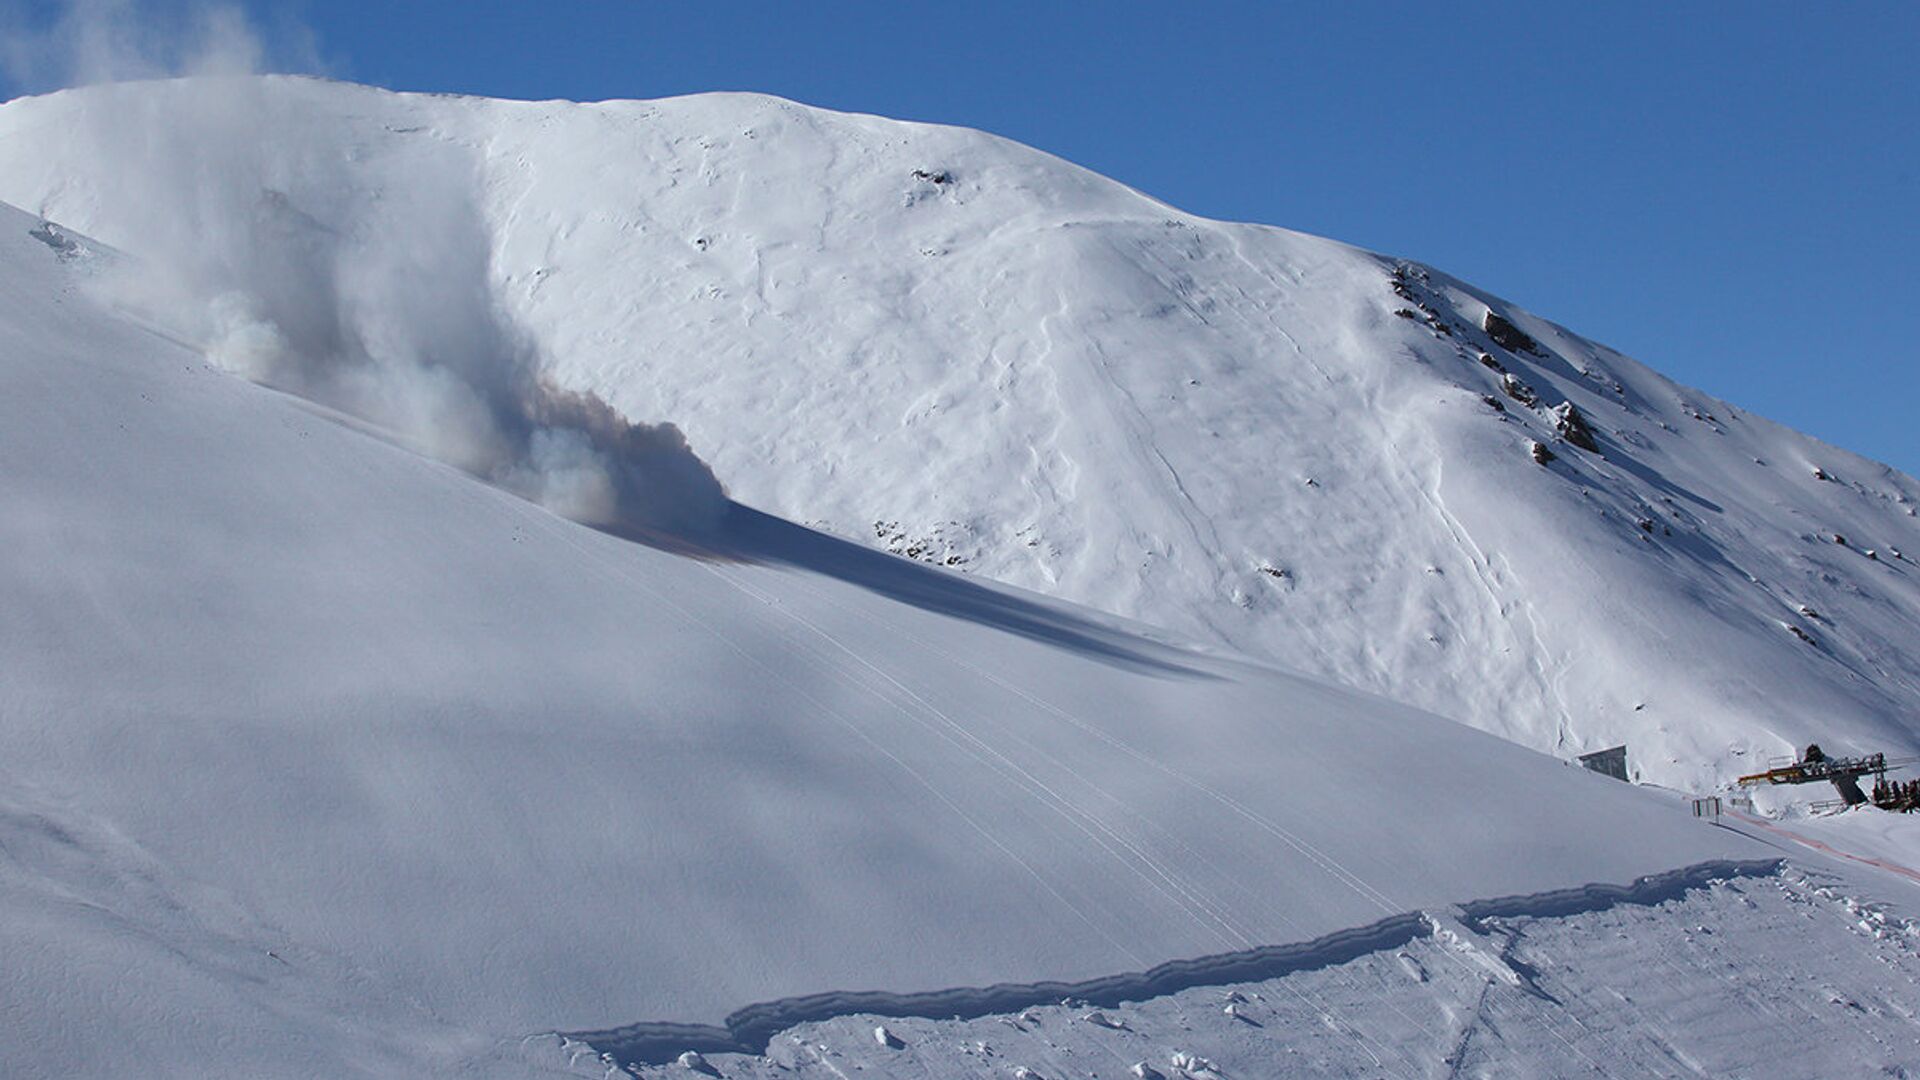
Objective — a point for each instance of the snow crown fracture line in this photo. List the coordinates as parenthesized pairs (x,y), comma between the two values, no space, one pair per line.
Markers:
(751,1029)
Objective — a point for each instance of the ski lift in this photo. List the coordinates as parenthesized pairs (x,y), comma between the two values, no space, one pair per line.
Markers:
(1843,773)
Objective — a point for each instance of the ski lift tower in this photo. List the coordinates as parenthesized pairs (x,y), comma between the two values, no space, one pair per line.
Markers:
(1843,773)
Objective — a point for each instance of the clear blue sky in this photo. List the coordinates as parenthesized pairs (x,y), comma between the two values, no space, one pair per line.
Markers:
(1725,191)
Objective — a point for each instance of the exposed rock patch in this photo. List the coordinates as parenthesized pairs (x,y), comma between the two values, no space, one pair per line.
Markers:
(1519,391)
(1573,427)
(1506,335)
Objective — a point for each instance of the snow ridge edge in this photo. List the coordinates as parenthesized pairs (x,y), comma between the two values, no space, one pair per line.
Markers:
(751,1029)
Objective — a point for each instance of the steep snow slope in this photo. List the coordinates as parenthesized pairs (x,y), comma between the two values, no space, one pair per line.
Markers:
(320,757)
(945,344)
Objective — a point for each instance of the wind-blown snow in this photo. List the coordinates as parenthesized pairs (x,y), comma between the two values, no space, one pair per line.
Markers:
(942,343)
(365,286)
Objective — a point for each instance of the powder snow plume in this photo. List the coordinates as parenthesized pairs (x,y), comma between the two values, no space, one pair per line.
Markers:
(347,287)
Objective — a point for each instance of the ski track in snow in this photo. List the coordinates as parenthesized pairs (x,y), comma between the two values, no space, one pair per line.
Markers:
(1233,933)
(1156,875)
(1331,866)
(560,530)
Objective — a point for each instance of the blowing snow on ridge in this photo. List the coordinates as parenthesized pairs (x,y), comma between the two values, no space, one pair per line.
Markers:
(299,268)
(966,351)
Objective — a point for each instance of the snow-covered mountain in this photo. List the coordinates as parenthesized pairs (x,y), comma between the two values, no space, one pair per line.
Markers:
(943,344)
(318,757)
(329,747)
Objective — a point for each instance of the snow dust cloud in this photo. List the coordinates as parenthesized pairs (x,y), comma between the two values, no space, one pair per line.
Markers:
(362,283)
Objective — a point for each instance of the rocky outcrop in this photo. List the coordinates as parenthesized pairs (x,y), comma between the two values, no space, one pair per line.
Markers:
(1506,335)
(1573,427)
(1519,391)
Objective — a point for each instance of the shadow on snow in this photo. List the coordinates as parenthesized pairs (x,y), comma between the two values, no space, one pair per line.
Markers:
(746,535)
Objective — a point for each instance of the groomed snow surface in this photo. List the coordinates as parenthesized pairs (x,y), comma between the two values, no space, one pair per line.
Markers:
(327,748)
